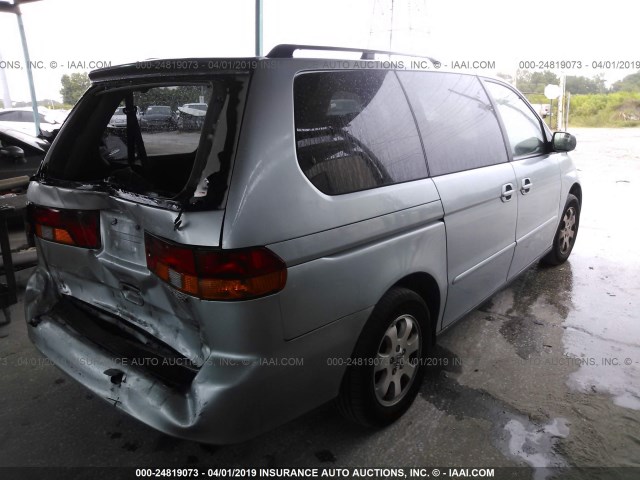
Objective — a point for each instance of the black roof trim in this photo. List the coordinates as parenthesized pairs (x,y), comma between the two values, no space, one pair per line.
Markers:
(181,67)
(286,50)
(177,67)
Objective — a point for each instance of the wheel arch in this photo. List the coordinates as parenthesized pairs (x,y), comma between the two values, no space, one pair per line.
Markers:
(576,190)
(427,287)
(351,401)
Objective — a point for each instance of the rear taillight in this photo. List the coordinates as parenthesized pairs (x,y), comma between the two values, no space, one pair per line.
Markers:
(216,274)
(80,228)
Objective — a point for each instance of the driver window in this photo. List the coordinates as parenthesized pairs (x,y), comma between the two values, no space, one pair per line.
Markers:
(522,126)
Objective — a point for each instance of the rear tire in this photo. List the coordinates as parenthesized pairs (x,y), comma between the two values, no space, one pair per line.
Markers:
(387,368)
(566,233)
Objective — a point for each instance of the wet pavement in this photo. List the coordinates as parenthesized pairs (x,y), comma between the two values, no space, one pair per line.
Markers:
(544,374)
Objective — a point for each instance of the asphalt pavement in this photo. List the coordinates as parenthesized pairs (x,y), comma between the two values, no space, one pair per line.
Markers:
(545,374)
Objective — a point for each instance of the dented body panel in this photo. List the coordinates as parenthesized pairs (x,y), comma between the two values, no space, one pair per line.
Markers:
(242,389)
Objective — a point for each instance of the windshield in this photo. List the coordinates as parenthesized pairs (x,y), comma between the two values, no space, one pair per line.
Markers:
(158,111)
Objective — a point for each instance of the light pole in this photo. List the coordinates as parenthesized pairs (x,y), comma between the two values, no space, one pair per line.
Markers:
(6,97)
(15,9)
(258,28)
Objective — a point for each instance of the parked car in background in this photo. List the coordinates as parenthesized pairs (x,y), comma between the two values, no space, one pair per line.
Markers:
(308,243)
(191,116)
(20,153)
(158,117)
(22,119)
(118,119)
(59,115)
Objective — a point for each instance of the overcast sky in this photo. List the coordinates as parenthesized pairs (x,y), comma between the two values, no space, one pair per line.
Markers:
(506,32)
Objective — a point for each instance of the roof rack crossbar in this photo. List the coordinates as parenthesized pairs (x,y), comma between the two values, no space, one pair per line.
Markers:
(286,50)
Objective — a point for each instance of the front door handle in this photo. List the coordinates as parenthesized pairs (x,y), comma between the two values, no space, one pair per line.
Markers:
(507,192)
(526,186)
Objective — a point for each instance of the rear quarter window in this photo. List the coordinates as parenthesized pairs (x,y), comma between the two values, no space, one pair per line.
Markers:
(355,131)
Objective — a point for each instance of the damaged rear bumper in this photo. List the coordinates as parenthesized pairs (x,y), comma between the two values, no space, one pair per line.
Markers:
(210,403)
(229,398)
(207,412)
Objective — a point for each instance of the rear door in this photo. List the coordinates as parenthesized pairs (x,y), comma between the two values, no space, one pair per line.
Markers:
(469,164)
(537,174)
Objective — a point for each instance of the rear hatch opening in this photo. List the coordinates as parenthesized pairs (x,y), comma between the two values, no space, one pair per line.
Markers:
(135,139)
(134,159)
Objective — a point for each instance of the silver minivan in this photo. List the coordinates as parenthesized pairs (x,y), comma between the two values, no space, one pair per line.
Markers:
(307,242)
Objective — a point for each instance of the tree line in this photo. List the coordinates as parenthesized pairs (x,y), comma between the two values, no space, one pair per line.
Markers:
(592,102)
(74,86)
(534,83)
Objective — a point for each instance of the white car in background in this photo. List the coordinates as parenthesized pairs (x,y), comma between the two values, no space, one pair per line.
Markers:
(118,119)
(191,116)
(21,119)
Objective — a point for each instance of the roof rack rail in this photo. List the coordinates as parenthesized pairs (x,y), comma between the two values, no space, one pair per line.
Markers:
(286,50)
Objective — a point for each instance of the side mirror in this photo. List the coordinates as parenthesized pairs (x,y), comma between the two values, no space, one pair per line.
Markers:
(13,153)
(563,142)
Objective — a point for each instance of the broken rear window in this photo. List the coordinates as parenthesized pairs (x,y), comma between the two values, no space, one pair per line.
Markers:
(153,148)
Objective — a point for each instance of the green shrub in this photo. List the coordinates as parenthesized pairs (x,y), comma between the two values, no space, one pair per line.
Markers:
(619,109)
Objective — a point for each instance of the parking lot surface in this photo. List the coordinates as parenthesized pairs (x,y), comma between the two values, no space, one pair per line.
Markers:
(544,374)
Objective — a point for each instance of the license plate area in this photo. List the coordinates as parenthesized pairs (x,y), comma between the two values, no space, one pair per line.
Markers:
(123,237)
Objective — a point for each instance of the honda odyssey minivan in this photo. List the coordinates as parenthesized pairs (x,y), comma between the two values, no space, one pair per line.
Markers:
(307,242)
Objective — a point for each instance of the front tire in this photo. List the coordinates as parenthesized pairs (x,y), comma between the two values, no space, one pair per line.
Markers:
(566,233)
(387,364)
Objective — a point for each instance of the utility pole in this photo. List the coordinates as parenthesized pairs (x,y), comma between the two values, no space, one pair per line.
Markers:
(552,91)
(6,96)
(258,33)
(563,81)
(15,9)
(391,28)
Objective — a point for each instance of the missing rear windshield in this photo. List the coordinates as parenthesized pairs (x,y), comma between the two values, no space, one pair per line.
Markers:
(171,141)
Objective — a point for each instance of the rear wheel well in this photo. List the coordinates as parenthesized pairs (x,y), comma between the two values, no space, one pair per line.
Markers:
(427,287)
